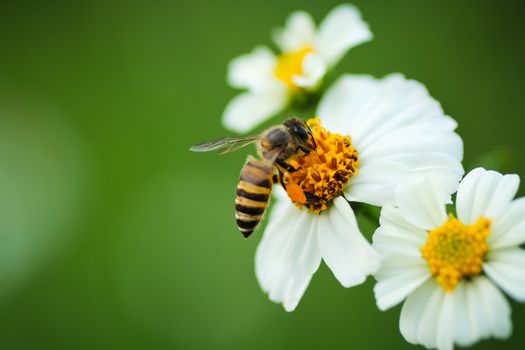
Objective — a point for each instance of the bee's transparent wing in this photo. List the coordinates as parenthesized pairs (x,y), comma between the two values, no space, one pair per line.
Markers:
(225,144)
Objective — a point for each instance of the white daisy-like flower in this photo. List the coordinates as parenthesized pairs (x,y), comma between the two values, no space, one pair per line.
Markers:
(452,271)
(307,53)
(379,134)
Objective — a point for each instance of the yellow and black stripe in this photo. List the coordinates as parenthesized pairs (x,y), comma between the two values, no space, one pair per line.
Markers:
(253,194)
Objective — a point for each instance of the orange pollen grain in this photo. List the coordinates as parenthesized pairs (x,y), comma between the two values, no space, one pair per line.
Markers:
(324,172)
(456,251)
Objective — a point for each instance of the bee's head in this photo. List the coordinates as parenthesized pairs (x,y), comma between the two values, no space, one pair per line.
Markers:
(300,130)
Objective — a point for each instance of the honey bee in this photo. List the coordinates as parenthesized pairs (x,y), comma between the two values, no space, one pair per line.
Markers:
(276,147)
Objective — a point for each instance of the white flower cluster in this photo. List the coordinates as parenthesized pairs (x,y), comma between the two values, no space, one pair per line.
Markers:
(450,269)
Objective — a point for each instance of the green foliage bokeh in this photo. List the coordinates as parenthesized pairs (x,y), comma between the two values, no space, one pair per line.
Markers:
(114,236)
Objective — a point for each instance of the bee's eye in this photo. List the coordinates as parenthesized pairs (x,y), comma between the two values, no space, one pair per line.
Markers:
(300,132)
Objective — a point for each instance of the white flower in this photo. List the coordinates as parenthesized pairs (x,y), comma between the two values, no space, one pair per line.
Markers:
(307,54)
(449,269)
(393,132)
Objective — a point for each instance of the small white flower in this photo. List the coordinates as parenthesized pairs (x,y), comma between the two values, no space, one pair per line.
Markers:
(379,134)
(449,269)
(307,53)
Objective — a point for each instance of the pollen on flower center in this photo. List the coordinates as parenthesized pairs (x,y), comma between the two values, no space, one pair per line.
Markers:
(290,64)
(456,251)
(324,172)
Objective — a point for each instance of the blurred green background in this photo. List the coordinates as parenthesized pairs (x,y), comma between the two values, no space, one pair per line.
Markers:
(114,236)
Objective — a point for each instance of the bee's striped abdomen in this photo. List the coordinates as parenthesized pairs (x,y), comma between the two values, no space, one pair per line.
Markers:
(253,194)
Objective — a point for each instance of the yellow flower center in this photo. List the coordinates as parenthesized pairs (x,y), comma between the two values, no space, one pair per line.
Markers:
(323,173)
(290,64)
(456,251)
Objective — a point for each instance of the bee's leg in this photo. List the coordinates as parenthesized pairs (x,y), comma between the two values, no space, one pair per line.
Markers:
(286,166)
(305,149)
(281,179)
(310,197)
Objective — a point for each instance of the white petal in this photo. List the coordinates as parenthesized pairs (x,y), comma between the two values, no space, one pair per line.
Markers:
(376,183)
(485,193)
(379,182)
(412,311)
(432,330)
(466,315)
(370,109)
(506,267)
(445,330)
(411,143)
(480,311)
(391,215)
(247,110)
(344,249)
(288,255)
(314,69)
(426,317)
(496,309)
(397,129)
(389,241)
(402,268)
(397,236)
(423,203)
(280,203)
(469,322)
(298,33)
(254,71)
(342,29)
(475,310)
(488,312)
(466,194)
(508,230)
(364,103)
(502,195)
(344,100)
(398,277)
